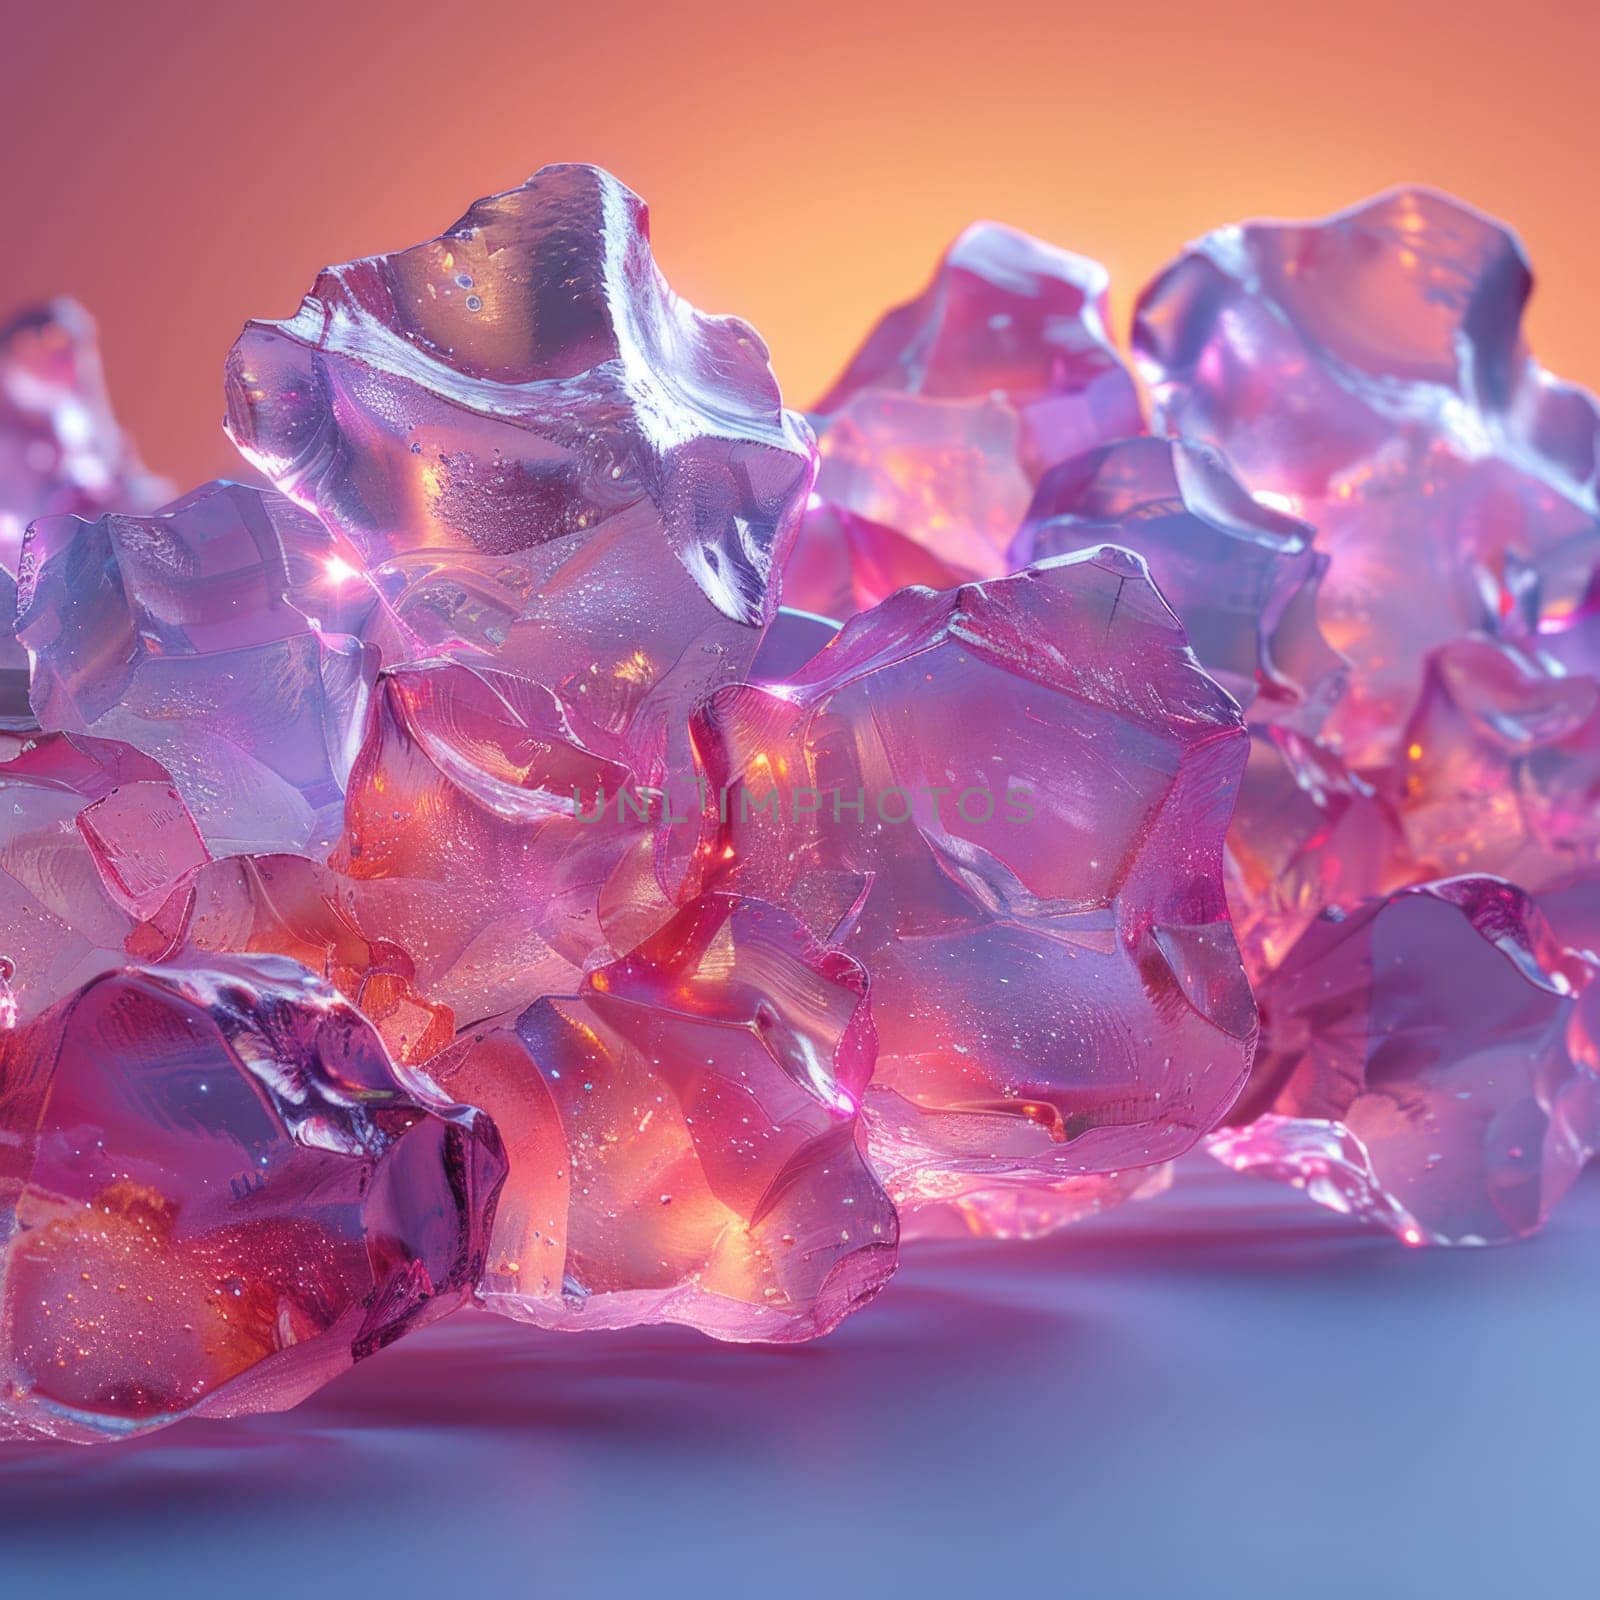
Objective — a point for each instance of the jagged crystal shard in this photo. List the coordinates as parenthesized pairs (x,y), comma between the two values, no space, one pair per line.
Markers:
(1008,802)
(539,451)
(1242,577)
(682,1131)
(959,400)
(216,1193)
(197,635)
(1415,1068)
(1369,373)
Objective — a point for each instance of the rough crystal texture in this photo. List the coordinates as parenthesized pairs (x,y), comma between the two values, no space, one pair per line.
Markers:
(1415,1067)
(959,400)
(93,836)
(539,451)
(489,834)
(216,1193)
(1008,802)
(1369,373)
(683,1136)
(1241,577)
(61,450)
(198,635)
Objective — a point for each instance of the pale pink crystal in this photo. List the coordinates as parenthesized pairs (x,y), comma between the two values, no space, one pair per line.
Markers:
(683,1136)
(1415,1067)
(92,834)
(540,452)
(1055,985)
(198,635)
(959,400)
(1242,577)
(1369,373)
(61,450)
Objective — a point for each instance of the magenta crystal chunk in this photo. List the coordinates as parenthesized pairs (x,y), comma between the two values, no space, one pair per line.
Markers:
(197,635)
(1415,1069)
(216,1193)
(1008,802)
(1369,374)
(959,400)
(1241,577)
(540,452)
(683,1136)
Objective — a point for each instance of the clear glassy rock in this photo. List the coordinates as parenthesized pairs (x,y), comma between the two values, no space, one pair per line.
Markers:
(1242,577)
(959,400)
(197,635)
(1415,1069)
(683,1136)
(1008,802)
(540,453)
(216,1194)
(1369,373)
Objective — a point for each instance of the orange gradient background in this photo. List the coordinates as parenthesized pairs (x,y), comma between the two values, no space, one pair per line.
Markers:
(180,167)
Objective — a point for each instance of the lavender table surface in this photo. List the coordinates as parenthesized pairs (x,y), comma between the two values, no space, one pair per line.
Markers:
(1222,1391)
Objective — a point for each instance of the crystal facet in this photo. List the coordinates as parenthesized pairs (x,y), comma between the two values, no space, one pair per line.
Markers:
(1415,1069)
(216,1193)
(1241,577)
(683,1136)
(197,635)
(540,453)
(1031,873)
(959,400)
(1369,373)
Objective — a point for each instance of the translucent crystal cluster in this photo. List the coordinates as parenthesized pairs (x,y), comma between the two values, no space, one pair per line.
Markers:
(582,837)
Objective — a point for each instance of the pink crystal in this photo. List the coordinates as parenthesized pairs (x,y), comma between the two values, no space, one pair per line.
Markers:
(488,830)
(539,451)
(197,635)
(216,1193)
(842,563)
(683,1136)
(1033,880)
(60,447)
(959,400)
(1500,770)
(1241,577)
(1415,1069)
(1308,834)
(1369,373)
(92,834)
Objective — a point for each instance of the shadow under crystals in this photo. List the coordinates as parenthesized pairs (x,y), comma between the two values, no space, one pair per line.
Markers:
(1222,1390)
